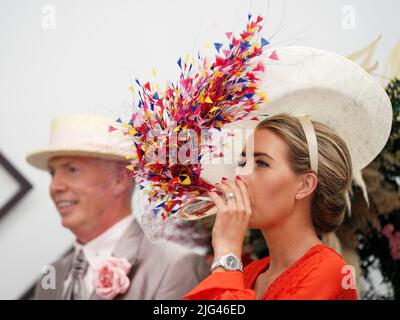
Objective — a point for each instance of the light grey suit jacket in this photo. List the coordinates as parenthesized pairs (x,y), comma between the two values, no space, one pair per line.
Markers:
(162,270)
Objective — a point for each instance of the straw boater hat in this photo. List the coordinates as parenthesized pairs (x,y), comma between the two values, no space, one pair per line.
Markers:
(314,84)
(85,135)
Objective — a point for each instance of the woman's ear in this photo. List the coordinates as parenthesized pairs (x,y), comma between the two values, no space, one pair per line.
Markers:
(308,184)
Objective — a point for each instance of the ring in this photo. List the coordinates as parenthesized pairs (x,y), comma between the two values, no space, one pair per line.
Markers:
(229,196)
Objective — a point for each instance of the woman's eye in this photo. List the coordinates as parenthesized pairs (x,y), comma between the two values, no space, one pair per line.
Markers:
(262,164)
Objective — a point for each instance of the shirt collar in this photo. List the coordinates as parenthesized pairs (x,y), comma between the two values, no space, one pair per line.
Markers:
(102,247)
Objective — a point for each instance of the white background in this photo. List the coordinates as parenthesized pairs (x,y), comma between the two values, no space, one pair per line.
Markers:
(96,50)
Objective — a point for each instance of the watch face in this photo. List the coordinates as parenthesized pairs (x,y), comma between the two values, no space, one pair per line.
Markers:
(231,262)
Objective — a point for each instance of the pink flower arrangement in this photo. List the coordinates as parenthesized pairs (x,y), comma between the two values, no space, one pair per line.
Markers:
(111,278)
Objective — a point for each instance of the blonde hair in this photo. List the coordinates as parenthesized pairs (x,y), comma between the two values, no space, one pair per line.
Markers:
(328,204)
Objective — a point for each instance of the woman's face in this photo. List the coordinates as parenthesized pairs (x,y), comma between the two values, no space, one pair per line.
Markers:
(271,183)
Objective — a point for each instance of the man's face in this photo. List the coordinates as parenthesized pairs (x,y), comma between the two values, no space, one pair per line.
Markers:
(82,190)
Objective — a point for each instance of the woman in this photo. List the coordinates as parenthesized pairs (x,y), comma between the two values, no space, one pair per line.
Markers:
(293,197)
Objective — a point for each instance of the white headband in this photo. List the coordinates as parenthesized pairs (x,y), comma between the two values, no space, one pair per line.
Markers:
(312,143)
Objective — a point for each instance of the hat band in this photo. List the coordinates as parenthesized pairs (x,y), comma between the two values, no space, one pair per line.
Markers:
(312,143)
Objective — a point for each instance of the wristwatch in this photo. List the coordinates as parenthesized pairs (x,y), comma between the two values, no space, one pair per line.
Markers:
(229,262)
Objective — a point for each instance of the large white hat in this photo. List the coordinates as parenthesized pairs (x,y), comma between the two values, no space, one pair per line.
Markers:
(86,135)
(335,91)
(327,88)
(330,89)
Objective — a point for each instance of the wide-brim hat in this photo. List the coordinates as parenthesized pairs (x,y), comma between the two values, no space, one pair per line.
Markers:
(328,88)
(85,135)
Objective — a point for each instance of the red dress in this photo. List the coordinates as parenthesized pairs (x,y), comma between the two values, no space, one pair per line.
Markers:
(320,274)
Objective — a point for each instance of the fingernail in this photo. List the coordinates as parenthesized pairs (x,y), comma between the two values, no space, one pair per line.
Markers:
(238,178)
(223,178)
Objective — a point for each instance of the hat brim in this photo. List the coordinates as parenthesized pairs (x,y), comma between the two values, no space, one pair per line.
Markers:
(330,89)
(335,91)
(41,158)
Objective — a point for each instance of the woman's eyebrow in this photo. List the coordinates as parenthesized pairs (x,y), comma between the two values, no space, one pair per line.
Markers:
(257,153)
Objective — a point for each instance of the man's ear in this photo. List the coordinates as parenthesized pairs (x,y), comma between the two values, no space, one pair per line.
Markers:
(308,184)
(122,179)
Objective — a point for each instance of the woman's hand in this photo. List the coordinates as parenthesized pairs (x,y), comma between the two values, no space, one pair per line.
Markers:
(232,217)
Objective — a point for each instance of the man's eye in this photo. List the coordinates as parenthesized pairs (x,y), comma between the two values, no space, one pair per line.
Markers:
(72,169)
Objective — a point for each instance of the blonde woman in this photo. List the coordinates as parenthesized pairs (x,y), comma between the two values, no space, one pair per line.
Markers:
(293,184)
(291,205)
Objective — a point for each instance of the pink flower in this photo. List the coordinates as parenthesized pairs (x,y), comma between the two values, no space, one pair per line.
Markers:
(394,240)
(387,231)
(111,278)
(395,246)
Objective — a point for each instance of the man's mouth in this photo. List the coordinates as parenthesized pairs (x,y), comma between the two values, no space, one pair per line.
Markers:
(65,204)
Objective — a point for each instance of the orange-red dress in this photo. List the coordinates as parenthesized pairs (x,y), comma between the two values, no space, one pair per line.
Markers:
(320,274)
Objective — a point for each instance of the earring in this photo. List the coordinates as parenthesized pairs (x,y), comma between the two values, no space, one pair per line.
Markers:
(298,196)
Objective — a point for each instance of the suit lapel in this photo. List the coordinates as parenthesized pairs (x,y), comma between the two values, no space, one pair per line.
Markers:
(128,247)
(61,274)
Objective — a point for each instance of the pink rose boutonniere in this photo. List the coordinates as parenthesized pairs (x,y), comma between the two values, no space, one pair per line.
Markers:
(111,278)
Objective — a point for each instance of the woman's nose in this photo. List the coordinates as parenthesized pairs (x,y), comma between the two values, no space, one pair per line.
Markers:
(246,170)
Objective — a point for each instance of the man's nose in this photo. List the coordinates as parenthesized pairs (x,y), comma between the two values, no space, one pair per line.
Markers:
(57,184)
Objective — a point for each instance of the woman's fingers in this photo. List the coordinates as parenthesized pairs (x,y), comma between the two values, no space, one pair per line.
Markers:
(230,203)
(220,204)
(245,195)
(231,221)
(237,194)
